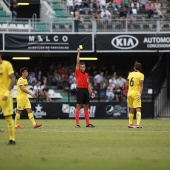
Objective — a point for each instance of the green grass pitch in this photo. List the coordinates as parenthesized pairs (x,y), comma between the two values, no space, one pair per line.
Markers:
(58,145)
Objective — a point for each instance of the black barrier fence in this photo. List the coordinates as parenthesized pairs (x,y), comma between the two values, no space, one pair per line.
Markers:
(135,42)
(48,42)
(68,42)
(96,110)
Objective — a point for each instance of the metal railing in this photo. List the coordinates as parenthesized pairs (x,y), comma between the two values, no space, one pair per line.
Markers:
(84,25)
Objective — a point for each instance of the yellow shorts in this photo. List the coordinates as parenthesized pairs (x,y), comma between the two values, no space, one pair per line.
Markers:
(6,106)
(133,102)
(23,104)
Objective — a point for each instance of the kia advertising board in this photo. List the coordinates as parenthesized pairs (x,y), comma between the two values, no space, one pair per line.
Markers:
(48,42)
(133,42)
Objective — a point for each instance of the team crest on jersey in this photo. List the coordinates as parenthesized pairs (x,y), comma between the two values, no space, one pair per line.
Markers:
(87,80)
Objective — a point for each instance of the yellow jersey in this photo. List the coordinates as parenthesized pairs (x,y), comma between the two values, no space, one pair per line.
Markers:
(134,79)
(6,70)
(22,82)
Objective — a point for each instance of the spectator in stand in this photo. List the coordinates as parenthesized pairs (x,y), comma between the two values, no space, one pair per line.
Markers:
(105,16)
(78,4)
(94,4)
(50,72)
(121,81)
(130,18)
(109,93)
(102,3)
(135,6)
(41,91)
(125,92)
(109,3)
(117,4)
(32,79)
(123,15)
(125,4)
(158,9)
(96,15)
(143,3)
(149,9)
(75,16)
(113,81)
(39,77)
(73,87)
(118,93)
(72,78)
(70,5)
(56,78)
(98,78)
(14,9)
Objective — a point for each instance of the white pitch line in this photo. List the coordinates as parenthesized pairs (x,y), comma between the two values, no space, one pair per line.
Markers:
(100,131)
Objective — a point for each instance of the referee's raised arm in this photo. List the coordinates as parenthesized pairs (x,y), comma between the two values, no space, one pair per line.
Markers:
(78,59)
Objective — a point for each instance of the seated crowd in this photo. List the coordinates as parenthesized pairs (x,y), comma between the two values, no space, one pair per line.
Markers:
(125,9)
(107,85)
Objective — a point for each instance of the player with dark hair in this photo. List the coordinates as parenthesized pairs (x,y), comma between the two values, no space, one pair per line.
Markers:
(7,81)
(23,101)
(83,90)
(135,88)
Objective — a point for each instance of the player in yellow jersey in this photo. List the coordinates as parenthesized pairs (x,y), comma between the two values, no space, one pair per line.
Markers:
(135,88)
(7,81)
(23,101)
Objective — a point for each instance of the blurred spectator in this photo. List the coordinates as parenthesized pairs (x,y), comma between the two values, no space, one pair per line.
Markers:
(39,77)
(50,72)
(72,78)
(73,87)
(109,93)
(70,5)
(135,6)
(14,9)
(110,3)
(117,4)
(121,81)
(102,3)
(41,91)
(32,79)
(149,9)
(125,4)
(118,93)
(98,78)
(105,16)
(125,92)
(78,4)
(75,16)
(113,81)
(130,18)
(157,9)
(142,3)
(94,4)
(96,15)
(56,78)
(123,15)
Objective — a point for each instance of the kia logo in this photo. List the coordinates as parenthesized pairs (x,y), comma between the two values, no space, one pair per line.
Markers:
(125,42)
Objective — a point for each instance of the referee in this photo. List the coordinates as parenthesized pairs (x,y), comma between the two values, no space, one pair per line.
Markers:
(83,90)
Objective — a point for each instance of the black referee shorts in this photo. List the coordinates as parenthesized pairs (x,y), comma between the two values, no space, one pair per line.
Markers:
(82,96)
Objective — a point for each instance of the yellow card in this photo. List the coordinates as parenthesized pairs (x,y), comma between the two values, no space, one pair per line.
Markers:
(81,47)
